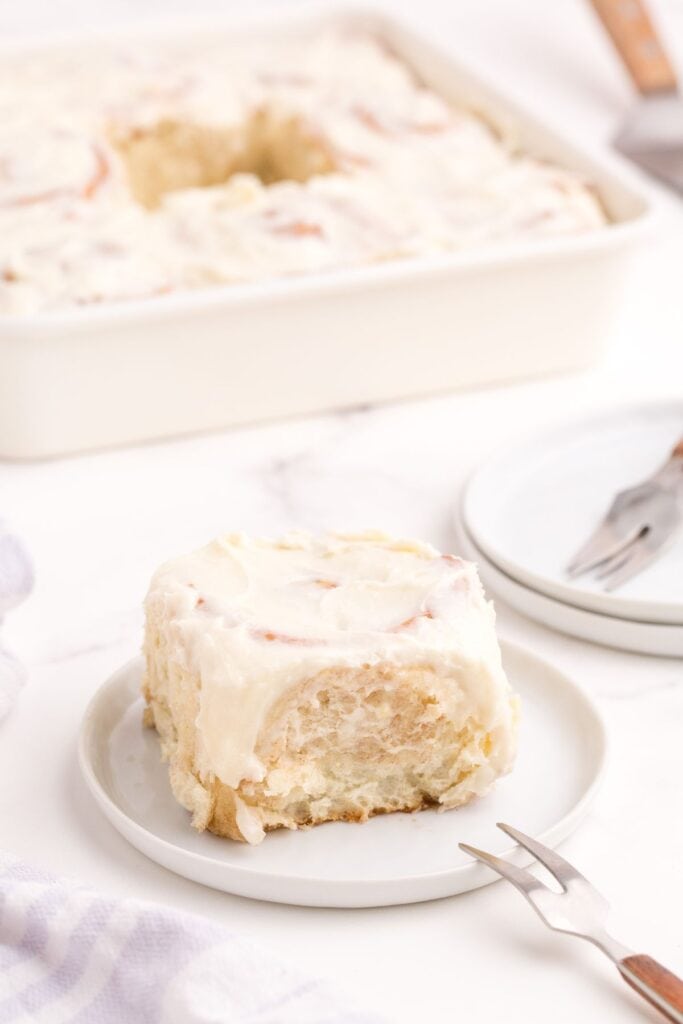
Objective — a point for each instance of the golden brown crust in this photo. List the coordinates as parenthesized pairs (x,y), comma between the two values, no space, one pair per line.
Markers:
(223,820)
(351,816)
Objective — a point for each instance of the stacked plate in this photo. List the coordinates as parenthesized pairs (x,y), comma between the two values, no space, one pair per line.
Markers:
(526,511)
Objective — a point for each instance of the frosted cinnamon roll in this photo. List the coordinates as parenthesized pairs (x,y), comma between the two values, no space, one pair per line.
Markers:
(315,679)
(132,169)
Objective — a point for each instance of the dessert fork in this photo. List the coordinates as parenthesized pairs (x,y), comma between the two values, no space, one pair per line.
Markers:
(580,910)
(636,528)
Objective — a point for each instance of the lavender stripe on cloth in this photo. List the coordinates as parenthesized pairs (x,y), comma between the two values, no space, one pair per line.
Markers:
(16,581)
(70,955)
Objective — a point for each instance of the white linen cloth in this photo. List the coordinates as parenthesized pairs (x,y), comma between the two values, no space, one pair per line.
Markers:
(68,954)
(16,582)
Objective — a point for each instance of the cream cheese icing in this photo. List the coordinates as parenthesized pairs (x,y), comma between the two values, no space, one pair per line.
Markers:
(251,618)
(408,173)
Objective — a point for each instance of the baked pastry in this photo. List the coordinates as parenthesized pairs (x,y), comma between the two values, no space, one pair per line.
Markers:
(132,169)
(314,679)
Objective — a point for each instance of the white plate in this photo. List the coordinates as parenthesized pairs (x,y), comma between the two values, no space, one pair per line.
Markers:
(530,508)
(397,858)
(624,634)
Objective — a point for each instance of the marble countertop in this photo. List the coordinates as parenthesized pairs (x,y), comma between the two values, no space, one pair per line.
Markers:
(97,525)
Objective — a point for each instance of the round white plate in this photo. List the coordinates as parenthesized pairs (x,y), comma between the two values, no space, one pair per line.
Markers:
(624,634)
(530,508)
(396,858)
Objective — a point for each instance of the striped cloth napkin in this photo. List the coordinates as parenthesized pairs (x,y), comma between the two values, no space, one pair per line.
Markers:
(67,954)
(16,581)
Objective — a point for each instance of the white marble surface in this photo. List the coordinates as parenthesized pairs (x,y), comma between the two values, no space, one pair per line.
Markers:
(97,526)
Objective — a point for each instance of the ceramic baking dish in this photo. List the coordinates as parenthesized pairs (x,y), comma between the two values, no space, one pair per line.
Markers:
(197,361)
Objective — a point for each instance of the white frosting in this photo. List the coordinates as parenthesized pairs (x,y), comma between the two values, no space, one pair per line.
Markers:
(253,618)
(413,175)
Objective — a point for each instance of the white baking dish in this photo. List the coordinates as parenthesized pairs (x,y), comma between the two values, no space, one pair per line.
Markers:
(197,361)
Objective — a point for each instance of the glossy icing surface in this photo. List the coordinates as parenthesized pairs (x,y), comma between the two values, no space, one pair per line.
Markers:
(402,173)
(252,618)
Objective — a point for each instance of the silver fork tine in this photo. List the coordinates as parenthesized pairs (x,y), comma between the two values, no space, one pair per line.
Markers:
(578,910)
(617,559)
(531,888)
(638,557)
(521,879)
(581,911)
(601,545)
(558,867)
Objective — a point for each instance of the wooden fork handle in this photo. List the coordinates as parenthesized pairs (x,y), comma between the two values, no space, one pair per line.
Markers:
(634,36)
(652,981)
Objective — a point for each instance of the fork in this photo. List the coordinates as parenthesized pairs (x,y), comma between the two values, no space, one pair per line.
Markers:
(580,910)
(636,528)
